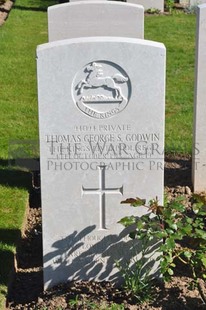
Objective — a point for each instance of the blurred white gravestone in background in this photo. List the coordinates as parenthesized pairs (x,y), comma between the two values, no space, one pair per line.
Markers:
(147,4)
(196,2)
(95,18)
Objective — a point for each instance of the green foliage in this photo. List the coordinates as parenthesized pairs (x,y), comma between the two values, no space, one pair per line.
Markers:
(74,302)
(192,9)
(153,11)
(172,224)
(46,308)
(169,4)
(78,303)
(137,281)
(115,307)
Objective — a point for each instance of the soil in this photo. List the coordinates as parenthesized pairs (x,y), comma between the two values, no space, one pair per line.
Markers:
(26,288)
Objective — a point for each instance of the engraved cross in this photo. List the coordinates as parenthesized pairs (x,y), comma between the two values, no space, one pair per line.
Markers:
(102,191)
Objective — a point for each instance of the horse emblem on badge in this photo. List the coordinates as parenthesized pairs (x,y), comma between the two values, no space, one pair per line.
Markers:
(101,89)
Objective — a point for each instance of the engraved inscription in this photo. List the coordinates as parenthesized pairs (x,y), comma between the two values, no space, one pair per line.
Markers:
(116,146)
(101,89)
(102,191)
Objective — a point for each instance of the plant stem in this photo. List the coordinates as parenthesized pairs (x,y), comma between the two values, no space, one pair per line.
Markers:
(201,291)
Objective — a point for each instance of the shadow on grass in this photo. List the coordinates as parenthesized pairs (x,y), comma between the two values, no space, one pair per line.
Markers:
(8,238)
(41,6)
(21,176)
(24,8)
(15,178)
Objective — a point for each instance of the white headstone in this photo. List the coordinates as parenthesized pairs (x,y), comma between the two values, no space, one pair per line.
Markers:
(199,134)
(148,4)
(101,118)
(88,0)
(95,18)
(196,2)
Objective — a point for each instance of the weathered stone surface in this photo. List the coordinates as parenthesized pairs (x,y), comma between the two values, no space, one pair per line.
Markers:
(101,118)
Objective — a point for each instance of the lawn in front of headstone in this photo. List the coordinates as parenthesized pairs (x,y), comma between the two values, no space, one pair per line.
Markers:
(12,210)
(23,31)
(177,32)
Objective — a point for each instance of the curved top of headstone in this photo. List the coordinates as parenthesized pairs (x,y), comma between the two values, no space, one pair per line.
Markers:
(95,18)
(202,5)
(197,2)
(148,4)
(103,39)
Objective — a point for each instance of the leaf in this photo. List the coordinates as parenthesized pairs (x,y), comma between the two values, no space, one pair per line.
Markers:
(189,220)
(172,265)
(135,202)
(129,200)
(177,204)
(203,260)
(170,271)
(163,248)
(161,234)
(187,254)
(173,226)
(155,207)
(200,233)
(127,221)
(200,198)
(140,224)
(196,208)
(186,230)
(170,243)
(169,231)
(132,234)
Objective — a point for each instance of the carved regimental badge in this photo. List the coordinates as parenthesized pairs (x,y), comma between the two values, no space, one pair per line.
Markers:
(101,89)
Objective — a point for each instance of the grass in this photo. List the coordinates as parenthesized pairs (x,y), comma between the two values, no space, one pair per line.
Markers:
(19,36)
(177,32)
(23,31)
(12,210)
